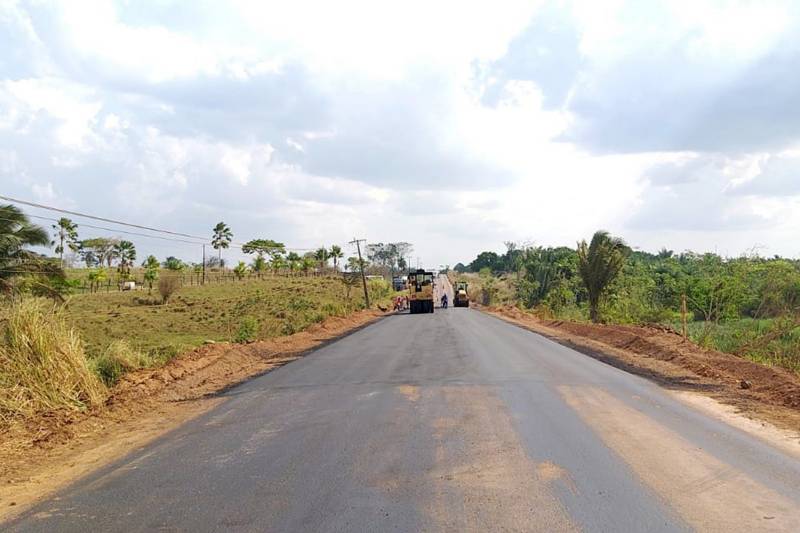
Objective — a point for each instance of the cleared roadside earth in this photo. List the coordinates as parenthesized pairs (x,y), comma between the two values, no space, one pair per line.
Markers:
(452,421)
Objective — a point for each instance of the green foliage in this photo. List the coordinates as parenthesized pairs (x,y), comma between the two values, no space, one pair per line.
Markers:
(322,256)
(549,276)
(391,255)
(379,289)
(248,330)
(96,277)
(151,268)
(335,253)
(259,265)
(262,247)
(599,263)
(16,234)
(174,264)
(222,237)
(126,252)
(66,234)
(98,251)
(240,270)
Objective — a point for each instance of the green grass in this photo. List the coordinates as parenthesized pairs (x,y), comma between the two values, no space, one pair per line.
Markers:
(751,338)
(247,310)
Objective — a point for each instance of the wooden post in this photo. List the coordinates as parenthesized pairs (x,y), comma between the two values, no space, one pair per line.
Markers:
(683,315)
(204,265)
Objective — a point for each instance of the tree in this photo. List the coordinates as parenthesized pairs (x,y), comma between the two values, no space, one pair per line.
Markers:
(335,253)
(222,238)
(354,266)
(240,270)
(126,252)
(173,263)
(16,233)
(262,247)
(259,265)
(96,277)
(277,263)
(489,260)
(294,261)
(99,250)
(321,255)
(66,234)
(151,267)
(390,255)
(308,263)
(599,263)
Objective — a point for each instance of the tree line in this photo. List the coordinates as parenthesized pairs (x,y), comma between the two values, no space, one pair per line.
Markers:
(22,270)
(614,283)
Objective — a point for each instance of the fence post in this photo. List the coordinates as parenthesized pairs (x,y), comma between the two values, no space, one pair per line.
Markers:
(683,315)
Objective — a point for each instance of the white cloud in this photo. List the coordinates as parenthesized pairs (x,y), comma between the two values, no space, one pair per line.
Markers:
(463,123)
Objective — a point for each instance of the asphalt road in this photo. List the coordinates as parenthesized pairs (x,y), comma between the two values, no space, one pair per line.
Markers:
(454,421)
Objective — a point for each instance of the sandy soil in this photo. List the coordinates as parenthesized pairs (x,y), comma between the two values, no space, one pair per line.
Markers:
(40,456)
(766,393)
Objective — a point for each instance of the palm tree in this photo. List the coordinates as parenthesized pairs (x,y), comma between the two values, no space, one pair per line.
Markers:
(307,263)
(150,271)
(240,270)
(335,253)
(66,232)
(294,261)
(321,255)
(126,252)
(17,232)
(222,238)
(259,265)
(599,263)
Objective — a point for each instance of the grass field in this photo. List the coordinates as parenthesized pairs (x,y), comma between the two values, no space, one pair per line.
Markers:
(765,341)
(247,310)
(64,357)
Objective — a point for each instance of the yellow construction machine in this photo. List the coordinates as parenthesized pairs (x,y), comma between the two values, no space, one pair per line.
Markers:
(420,289)
(460,295)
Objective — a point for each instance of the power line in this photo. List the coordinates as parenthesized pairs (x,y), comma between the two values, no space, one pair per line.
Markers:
(102,219)
(113,230)
(203,240)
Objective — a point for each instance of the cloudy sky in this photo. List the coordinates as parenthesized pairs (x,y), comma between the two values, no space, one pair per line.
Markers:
(453,125)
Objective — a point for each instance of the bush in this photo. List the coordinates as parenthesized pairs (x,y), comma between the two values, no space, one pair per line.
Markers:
(42,365)
(248,330)
(379,289)
(116,360)
(167,286)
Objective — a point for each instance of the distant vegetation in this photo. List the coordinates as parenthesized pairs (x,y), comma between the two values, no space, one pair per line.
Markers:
(64,356)
(748,305)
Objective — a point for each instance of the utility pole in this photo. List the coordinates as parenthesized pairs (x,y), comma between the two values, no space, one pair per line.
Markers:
(204,264)
(358,242)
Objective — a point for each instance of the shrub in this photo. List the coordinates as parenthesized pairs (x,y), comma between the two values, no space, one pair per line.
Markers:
(42,365)
(167,286)
(248,330)
(118,358)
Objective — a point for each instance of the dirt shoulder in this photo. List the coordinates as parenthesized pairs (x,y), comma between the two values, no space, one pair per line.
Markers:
(756,391)
(40,456)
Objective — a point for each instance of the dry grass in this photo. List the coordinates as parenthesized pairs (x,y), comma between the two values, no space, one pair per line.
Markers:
(42,364)
(117,359)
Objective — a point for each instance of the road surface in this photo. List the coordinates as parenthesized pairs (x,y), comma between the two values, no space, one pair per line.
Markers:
(454,421)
